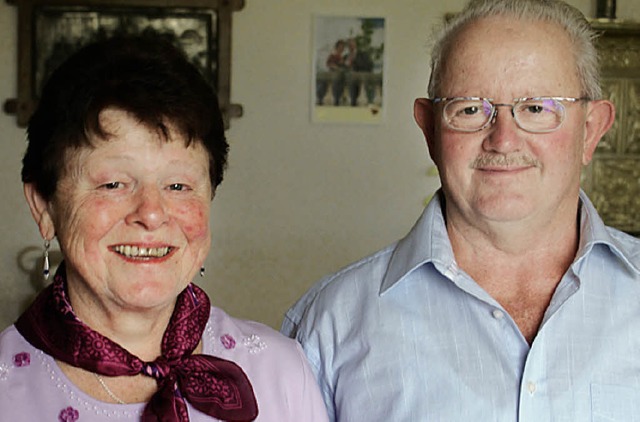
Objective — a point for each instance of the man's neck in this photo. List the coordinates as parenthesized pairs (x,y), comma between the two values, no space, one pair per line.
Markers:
(520,267)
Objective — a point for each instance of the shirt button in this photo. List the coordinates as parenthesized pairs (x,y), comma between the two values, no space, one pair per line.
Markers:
(531,387)
(497,314)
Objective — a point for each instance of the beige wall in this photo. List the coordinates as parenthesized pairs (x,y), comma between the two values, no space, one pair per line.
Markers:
(300,199)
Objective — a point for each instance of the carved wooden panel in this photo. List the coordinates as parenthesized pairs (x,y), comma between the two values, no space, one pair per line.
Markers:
(612,180)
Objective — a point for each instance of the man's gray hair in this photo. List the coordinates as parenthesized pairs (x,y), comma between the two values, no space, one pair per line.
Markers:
(577,27)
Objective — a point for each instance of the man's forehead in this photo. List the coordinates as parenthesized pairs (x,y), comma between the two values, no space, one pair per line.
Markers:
(501,50)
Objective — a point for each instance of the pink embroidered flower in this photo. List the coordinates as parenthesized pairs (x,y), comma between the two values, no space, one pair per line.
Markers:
(22,359)
(68,415)
(228,341)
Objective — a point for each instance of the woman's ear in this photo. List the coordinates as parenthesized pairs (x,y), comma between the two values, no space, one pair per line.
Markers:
(424,116)
(600,117)
(40,211)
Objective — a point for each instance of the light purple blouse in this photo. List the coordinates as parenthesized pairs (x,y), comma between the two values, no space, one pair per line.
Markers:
(33,388)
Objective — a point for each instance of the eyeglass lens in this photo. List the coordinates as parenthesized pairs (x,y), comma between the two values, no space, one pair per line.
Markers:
(534,115)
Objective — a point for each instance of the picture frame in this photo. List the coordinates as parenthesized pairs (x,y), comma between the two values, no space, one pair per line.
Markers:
(50,30)
(348,69)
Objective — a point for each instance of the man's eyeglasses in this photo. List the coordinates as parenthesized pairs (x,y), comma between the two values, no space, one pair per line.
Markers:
(533,114)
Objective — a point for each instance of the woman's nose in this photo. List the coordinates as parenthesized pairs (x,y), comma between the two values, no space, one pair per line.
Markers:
(149,209)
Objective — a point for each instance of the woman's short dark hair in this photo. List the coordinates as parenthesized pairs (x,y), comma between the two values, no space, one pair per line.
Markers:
(146,76)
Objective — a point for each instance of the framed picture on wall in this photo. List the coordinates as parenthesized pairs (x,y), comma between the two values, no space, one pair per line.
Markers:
(51,30)
(348,69)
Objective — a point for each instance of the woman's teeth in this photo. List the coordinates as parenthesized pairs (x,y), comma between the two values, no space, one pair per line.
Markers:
(139,252)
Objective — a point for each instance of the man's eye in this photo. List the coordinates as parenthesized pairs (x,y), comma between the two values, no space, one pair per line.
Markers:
(535,109)
(465,110)
(470,111)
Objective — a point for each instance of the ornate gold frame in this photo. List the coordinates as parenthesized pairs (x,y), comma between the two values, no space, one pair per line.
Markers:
(612,180)
(218,52)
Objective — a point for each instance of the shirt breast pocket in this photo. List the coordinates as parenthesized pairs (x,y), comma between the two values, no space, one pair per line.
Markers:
(612,403)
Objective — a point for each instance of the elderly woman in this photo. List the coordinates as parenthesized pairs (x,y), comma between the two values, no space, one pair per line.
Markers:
(125,152)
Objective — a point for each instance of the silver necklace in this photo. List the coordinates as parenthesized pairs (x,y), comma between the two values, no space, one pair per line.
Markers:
(108,390)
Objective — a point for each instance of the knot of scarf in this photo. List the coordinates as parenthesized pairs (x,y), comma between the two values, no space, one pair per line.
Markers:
(214,386)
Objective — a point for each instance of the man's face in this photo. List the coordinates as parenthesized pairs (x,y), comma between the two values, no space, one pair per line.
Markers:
(503,173)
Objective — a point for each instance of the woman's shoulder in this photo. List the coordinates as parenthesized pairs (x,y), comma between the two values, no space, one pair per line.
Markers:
(280,375)
(11,343)
(228,333)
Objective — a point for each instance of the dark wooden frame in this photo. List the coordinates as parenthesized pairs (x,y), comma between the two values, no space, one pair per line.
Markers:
(26,101)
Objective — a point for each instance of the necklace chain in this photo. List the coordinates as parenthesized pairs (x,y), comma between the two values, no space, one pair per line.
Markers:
(108,390)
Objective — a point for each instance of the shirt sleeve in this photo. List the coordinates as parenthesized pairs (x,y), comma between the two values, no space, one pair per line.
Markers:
(310,407)
(289,326)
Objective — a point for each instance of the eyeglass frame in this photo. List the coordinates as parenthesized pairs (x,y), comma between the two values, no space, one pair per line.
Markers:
(494,110)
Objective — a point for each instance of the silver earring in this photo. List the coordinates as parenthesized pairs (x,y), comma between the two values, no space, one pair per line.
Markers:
(202,271)
(45,264)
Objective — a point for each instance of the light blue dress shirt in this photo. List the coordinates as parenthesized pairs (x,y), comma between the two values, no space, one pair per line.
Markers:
(406,336)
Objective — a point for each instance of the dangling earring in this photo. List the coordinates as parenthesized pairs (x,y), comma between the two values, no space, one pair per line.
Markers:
(202,271)
(45,264)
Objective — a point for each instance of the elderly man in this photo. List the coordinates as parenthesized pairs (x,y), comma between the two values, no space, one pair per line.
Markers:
(509,300)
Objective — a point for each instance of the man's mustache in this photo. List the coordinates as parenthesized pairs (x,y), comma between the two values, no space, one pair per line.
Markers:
(503,160)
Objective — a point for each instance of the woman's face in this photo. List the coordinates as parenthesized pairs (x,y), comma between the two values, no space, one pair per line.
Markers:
(132,216)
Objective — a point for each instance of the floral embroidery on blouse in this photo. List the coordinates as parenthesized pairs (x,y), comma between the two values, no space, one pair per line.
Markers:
(228,341)
(68,414)
(22,359)
(254,344)
(4,371)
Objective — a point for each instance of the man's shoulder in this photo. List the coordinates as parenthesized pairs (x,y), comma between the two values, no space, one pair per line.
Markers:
(349,285)
(367,272)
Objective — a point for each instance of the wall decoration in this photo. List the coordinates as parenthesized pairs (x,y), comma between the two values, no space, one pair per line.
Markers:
(612,180)
(50,30)
(348,69)
(606,9)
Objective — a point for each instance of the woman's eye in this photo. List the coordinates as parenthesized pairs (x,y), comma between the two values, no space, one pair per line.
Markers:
(112,185)
(177,186)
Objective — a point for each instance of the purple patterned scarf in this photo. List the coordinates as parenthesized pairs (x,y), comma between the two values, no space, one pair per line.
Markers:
(212,385)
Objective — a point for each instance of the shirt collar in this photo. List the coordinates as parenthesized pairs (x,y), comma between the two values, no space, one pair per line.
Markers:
(594,232)
(428,241)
